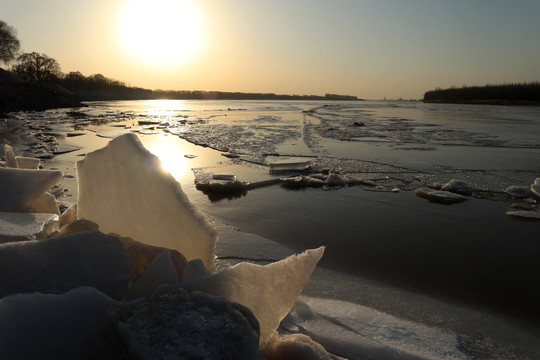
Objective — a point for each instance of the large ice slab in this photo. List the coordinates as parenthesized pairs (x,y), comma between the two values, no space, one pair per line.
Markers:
(181,325)
(59,264)
(124,189)
(74,325)
(269,291)
(20,188)
(26,226)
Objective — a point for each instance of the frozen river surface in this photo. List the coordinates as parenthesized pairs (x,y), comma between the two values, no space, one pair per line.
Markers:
(426,264)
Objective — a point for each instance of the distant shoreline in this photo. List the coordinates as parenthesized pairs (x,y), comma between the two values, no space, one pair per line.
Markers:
(486,102)
(527,94)
(18,95)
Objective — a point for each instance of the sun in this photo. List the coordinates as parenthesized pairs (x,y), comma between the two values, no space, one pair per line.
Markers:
(161,32)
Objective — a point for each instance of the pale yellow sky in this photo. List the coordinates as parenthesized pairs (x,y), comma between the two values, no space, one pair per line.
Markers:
(372,49)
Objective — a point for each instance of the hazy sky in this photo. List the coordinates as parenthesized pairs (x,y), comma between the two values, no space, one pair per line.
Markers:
(372,49)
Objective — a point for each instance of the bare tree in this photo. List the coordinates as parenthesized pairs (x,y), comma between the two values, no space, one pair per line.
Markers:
(9,44)
(36,67)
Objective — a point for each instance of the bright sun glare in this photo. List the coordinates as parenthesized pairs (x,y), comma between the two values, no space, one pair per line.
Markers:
(161,32)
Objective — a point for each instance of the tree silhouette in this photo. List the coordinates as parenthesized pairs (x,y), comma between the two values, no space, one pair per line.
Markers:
(35,67)
(9,44)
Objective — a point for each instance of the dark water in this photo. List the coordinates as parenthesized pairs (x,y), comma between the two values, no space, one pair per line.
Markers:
(469,251)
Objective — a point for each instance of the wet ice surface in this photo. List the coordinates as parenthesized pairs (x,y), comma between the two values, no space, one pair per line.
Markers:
(471,252)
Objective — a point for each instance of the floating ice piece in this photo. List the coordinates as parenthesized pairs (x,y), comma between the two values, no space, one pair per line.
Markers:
(171,328)
(74,325)
(458,187)
(161,271)
(19,188)
(59,264)
(443,197)
(535,187)
(23,227)
(335,180)
(123,188)
(269,291)
(533,215)
(518,191)
(290,165)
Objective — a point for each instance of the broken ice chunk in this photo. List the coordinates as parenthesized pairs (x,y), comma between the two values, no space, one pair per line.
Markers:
(59,264)
(161,271)
(46,203)
(295,346)
(25,226)
(69,215)
(194,270)
(335,180)
(525,214)
(224,176)
(535,187)
(77,226)
(27,162)
(182,325)
(11,161)
(443,197)
(19,188)
(123,188)
(302,181)
(74,325)
(518,191)
(290,165)
(458,187)
(142,255)
(269,291)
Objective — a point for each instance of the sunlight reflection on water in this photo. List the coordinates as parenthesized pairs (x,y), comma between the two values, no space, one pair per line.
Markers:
(171,153)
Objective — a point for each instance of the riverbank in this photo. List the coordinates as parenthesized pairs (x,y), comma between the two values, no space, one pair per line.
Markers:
(16,95)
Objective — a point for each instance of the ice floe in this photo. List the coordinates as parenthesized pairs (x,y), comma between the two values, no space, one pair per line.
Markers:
(458,187)
(439,196)
(518,191)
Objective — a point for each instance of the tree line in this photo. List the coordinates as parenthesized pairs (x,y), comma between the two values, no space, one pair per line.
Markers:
(519,93)
(41,70)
